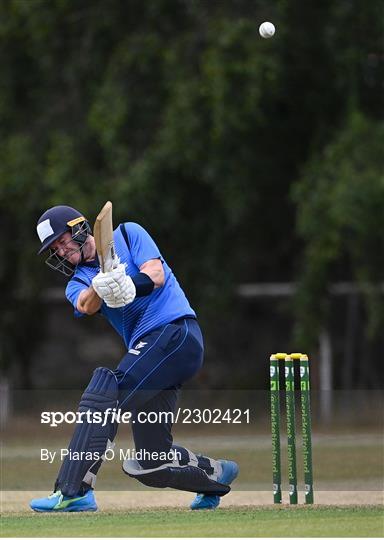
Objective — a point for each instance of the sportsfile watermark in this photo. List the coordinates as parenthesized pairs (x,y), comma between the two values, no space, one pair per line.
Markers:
(115,415)
(221,424)
(110,454)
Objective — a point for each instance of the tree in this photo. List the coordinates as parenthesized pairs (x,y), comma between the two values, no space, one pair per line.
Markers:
(341,220)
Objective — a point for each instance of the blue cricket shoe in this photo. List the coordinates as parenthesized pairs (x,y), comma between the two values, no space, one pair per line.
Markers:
(210,502)
(57,502)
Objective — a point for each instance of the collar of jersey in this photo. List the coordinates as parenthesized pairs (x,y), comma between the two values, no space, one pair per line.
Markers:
(93,264)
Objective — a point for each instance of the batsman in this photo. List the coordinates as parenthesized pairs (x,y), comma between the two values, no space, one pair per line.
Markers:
(128,282)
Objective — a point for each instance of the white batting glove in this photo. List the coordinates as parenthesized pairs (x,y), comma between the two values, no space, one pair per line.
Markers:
(104,285)
(114,302)
(127,289)
(115,287)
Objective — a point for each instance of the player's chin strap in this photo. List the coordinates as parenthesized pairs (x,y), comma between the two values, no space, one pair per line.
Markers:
(197,474)
(82,260)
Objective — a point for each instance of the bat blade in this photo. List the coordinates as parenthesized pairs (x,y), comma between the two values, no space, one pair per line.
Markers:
(103,234)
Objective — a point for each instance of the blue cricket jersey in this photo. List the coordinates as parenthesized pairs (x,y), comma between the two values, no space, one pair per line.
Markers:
(134,246)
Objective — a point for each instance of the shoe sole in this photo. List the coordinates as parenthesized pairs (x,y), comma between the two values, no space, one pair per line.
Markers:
(42,511)
(205,507)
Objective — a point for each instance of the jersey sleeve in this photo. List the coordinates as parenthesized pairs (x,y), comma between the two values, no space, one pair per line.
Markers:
(73,290)
(141,244)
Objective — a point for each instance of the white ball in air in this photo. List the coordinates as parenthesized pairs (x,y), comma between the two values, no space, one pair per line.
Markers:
(267,30)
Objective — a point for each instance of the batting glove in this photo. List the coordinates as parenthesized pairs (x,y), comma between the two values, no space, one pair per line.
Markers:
(115,287)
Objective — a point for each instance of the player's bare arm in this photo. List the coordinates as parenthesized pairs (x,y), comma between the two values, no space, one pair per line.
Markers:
(154,269)
(89,302)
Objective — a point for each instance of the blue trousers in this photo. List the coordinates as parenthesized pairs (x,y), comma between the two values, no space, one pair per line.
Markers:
(150,375)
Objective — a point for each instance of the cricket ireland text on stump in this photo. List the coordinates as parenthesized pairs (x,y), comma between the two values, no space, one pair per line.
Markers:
(289,373)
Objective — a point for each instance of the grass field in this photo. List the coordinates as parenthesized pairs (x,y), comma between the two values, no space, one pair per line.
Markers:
(320,521)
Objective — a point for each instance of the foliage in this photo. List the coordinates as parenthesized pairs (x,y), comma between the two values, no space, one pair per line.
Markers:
(192,125)
(341,220)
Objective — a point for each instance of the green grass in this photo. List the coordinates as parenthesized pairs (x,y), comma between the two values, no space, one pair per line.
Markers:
(325,521)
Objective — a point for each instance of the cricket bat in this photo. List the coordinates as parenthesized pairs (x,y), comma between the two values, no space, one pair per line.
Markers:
(103,235)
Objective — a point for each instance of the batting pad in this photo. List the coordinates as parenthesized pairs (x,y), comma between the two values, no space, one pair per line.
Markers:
(89,439)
